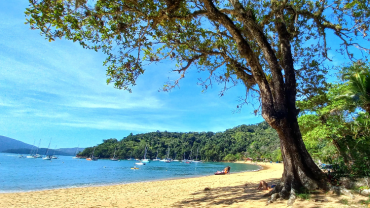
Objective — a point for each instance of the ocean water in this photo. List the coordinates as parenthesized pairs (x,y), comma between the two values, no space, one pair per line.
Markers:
(22,174)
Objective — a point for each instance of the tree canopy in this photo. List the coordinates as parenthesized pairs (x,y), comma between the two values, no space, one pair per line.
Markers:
(234,41)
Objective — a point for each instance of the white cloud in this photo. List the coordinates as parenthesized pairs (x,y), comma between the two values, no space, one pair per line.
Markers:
(112,102)
(113,125)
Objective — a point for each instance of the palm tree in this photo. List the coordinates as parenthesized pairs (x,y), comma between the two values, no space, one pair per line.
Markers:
(358,77)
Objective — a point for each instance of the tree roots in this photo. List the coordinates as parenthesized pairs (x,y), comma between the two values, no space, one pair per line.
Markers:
(281,192)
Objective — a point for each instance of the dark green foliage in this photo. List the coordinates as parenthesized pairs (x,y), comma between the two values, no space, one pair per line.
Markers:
(256,141)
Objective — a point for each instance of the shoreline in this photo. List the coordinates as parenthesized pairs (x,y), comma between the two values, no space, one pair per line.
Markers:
(184,192)
(125,183)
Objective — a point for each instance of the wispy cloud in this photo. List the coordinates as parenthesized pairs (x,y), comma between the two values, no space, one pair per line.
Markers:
(114,125)
(112,102)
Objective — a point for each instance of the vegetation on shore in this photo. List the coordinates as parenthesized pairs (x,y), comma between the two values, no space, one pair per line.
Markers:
(335,123)
(255,141)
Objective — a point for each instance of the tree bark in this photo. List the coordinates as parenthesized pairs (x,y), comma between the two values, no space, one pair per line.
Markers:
(299,168)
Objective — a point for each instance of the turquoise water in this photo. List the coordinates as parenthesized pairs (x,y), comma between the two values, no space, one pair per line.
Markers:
(22,174)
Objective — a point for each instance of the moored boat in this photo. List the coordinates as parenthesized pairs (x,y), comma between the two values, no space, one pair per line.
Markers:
(47,157)
(196,158)
(145,160)
(156,157)
(92,158)
(76,157)
(114,156)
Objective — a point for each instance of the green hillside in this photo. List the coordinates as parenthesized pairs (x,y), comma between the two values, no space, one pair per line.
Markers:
(256,141)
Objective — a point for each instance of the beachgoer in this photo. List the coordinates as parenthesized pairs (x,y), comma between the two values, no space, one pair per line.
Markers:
(225,170)
(228,169)
(263,186)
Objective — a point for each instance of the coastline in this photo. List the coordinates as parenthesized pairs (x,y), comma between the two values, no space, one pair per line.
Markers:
(231,190)
(92,185)
(134,182)
(160,193)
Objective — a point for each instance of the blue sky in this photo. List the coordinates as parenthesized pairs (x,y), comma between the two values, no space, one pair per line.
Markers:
(58,90)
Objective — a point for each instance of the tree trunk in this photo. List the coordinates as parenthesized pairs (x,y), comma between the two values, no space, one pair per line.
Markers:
(278,97)
(342,153)
(299,168)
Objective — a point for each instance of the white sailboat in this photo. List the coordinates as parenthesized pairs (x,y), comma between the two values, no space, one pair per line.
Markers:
(168,159)
(114,155)
(175,160)
(184,160)
(156,158)
(47,157)
(37,155)
(189,160)
(31,155)
(92,158)
(196,159)
(53,156)
(145,160)
(75,157)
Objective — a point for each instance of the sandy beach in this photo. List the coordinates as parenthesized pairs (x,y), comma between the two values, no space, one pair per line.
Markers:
(232,190)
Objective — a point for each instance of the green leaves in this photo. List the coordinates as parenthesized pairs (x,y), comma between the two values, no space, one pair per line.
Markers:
(333,127)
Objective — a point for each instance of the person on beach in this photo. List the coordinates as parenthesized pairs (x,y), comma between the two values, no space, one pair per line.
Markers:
(263,186)
(226,170)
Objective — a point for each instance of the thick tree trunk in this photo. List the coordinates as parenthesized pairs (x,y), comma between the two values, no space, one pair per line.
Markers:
(299,168)
(278,97)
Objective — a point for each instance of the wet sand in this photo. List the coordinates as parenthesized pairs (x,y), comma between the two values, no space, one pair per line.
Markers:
(232,190)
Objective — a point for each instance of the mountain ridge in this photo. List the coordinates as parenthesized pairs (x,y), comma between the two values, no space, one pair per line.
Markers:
(10,145)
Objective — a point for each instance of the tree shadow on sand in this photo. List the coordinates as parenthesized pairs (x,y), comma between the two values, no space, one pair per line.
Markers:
(241,195)
(226,196)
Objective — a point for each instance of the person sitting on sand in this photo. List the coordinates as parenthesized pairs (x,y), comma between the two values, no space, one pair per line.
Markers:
(263,186)
(226,170)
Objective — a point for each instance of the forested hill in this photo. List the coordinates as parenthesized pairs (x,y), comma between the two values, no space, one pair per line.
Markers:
(9,143)
(258,140)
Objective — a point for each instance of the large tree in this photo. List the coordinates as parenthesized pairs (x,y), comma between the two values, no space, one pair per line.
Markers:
(272,47)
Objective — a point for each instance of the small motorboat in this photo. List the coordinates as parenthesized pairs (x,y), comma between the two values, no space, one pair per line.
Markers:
(139,163)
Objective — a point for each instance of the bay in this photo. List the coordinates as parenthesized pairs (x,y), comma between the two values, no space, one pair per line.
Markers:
(22,174)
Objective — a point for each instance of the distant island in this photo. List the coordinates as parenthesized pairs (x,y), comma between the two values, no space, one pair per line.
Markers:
(255,141)
(9,145)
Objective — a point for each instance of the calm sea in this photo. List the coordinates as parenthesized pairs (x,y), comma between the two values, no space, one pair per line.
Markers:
(22,174)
